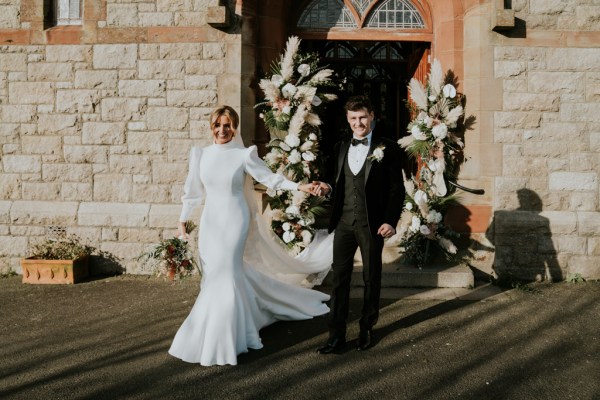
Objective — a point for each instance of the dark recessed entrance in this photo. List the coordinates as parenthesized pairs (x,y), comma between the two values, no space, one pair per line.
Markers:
(378,69)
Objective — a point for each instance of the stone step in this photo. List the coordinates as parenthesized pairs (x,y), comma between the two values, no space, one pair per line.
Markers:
(407,276)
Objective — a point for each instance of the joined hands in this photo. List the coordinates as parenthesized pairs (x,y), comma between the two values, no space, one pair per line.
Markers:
(316,188)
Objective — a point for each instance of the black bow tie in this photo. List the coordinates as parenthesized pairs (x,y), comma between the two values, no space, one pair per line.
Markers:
(356,142)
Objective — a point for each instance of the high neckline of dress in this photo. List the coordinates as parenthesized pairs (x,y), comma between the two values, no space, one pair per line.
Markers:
(227,145)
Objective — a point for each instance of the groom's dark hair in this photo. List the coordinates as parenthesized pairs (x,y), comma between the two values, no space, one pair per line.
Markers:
(356,103)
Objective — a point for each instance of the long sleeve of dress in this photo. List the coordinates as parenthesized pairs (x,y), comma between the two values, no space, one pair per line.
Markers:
(193,190)
(259,171)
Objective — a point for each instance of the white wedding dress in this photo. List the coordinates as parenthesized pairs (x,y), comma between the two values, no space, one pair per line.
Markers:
(236,299)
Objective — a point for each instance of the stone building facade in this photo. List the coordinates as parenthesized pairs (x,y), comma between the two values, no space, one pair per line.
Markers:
(97,117)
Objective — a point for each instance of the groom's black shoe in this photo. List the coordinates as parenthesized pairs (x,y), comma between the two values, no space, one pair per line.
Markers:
(365,338)
(333,345)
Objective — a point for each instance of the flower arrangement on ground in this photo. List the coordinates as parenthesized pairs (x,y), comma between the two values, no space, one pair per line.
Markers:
(172,257)
(435,141)
(294,94)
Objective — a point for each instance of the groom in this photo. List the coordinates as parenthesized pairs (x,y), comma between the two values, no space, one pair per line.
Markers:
(368,196)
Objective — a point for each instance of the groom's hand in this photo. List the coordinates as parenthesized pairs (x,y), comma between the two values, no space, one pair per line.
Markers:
(321,188)
(386,230)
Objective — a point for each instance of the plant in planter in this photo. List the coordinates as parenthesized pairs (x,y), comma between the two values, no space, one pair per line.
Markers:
(172,257)
(57,260)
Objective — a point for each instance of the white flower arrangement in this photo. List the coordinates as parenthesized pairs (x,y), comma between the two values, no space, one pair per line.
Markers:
(377,153)
(294,94)
(435,141)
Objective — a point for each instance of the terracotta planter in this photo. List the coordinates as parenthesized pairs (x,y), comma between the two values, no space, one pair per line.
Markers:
(54,271)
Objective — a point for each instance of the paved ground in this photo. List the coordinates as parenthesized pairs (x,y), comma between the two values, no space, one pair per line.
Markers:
(108,339)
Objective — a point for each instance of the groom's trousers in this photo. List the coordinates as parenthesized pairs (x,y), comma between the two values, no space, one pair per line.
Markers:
(347,238)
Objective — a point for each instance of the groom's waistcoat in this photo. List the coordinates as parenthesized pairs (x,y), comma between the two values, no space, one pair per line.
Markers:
(354,196)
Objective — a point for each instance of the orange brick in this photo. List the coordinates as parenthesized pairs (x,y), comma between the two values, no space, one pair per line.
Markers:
(15,36)
(64,35)
(122,35)
(469,218)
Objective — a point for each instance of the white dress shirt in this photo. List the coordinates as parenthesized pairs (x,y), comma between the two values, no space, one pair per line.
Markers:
(358,154)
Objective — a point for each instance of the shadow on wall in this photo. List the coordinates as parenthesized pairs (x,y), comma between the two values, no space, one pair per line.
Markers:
(523,242)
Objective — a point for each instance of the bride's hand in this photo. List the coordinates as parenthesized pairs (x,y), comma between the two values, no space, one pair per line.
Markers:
(307,188)
(181,231)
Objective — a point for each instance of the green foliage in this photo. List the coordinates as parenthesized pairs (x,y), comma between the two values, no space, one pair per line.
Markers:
(62,248)
(575,278)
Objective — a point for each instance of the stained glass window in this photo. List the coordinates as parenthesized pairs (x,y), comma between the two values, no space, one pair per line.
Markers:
(396,14)
(326,14)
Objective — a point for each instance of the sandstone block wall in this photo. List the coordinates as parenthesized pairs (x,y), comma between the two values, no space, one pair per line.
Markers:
(547,216)
(95,135)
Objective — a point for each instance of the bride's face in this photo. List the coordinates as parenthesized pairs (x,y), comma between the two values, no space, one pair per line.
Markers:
(223,130)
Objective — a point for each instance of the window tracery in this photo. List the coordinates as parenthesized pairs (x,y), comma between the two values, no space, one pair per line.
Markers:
(388,14)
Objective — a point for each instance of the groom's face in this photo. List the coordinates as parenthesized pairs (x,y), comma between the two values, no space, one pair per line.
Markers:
(360,121)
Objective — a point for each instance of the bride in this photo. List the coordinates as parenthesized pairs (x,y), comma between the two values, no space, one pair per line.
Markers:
(243,288)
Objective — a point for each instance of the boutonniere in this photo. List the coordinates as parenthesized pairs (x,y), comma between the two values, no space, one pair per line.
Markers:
(377,153)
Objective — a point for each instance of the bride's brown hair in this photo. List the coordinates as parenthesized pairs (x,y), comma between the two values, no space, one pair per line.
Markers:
(227,111)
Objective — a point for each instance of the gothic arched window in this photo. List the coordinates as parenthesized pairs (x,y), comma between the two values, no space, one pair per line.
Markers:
(395,14)
(326,14)
(376,14)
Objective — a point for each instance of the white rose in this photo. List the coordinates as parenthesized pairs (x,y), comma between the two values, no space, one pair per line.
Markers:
(288,236)
(308,156)
(286,110)
(417,134)
(316,101)
(304,69)
(434,217)
(432,98)
(292,140)
(428,121)
(312,137)
(409,206)
(424,230)
(261,116)
(378,153)
(295,157)
(286,226)
(449,91)
(289,90)
(292,210)
(277,79)
(440,131)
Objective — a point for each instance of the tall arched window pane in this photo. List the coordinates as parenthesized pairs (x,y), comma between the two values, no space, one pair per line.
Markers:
(326,14)
(396,14)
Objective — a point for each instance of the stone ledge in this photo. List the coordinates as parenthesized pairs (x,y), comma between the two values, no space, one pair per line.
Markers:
(406,276)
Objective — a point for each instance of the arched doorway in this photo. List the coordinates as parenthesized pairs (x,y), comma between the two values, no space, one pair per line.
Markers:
(376,46)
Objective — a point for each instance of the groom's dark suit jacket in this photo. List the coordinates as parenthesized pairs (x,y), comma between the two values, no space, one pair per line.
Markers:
(384,187)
